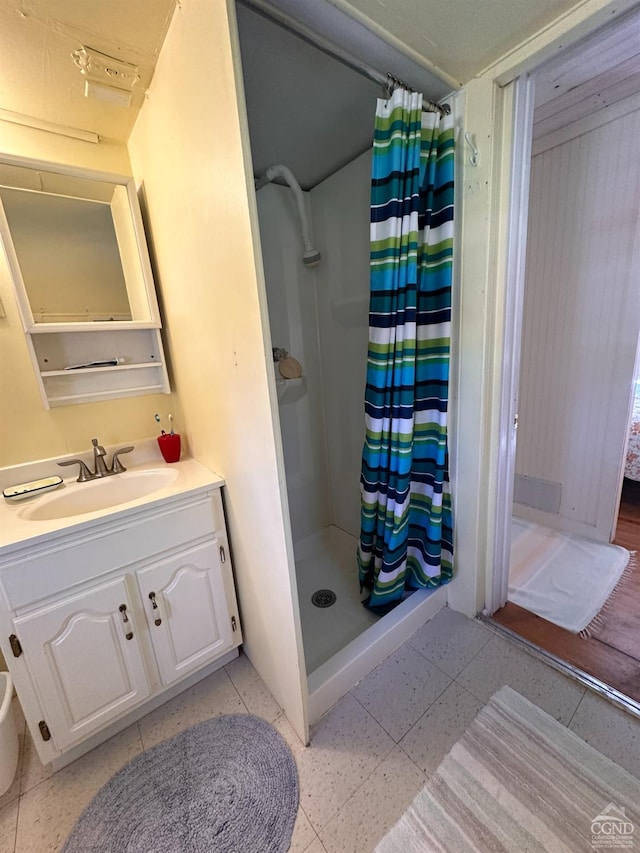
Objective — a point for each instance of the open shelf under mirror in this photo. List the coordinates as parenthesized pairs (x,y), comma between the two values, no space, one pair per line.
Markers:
(139,367)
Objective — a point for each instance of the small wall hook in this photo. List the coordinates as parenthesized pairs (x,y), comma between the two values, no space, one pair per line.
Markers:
(474,156)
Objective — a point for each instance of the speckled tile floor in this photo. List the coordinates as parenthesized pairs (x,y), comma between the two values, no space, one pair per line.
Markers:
(370,754)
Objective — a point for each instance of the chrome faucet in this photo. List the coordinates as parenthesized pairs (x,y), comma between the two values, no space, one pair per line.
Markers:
(100,468)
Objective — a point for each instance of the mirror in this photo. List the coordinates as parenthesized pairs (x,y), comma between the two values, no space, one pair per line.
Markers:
(68,256)
(75,247)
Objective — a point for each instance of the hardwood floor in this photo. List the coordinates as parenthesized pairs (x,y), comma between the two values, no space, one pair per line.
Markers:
(612,654)
(622,630)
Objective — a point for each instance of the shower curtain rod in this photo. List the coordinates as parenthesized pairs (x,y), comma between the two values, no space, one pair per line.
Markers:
(389,82)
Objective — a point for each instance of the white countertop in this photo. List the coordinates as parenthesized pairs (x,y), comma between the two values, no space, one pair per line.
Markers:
(16,529)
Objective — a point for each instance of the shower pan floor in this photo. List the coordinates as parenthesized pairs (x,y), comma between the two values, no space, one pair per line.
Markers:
(327,560)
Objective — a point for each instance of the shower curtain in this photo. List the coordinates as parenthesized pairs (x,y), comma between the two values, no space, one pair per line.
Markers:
(406,538)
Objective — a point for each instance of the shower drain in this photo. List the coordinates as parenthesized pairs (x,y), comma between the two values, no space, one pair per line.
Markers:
(323,598)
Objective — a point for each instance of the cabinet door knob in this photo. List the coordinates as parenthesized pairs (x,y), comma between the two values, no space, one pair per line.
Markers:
(154,606)
(125,620)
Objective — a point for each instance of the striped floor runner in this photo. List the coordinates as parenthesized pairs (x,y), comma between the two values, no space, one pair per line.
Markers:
(518,780)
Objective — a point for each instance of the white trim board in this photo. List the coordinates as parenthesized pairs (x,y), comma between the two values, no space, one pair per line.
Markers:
(515,245)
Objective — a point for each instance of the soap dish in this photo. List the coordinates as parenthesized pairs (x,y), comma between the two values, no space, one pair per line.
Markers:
(28,490)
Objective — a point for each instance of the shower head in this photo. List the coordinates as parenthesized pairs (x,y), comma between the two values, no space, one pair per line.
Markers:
(311,258)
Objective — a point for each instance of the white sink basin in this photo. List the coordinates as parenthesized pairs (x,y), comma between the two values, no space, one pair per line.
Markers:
(81,498)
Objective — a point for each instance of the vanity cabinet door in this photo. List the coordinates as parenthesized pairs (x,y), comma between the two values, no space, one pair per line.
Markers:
(84,657)
(186,608)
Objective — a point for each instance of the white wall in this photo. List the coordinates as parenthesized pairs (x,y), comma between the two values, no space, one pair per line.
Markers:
(340,208)
(581,322)
(293,319)
(187,151)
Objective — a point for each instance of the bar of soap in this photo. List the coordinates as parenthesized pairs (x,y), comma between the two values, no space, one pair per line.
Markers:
(34,487)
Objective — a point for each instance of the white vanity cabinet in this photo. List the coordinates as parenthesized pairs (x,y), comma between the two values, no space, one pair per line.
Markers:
(186,609)
(85,657)
(111,619)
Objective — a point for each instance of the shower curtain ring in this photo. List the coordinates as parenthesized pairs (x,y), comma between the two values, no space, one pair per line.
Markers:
(394,83)
(389,86)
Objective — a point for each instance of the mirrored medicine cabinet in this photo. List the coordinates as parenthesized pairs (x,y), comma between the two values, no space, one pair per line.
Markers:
(79,265)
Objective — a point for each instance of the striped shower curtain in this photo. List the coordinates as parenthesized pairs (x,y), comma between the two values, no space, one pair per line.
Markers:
(406,538)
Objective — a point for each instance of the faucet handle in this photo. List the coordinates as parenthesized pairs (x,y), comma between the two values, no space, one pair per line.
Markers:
(98,449)
(98,457)
(84,473)
(116,465)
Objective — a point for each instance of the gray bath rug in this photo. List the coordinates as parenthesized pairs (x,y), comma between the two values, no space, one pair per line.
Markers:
(228,785)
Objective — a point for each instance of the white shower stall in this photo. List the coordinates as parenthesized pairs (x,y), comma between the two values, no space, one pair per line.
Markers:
(320,317)
(314,116)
